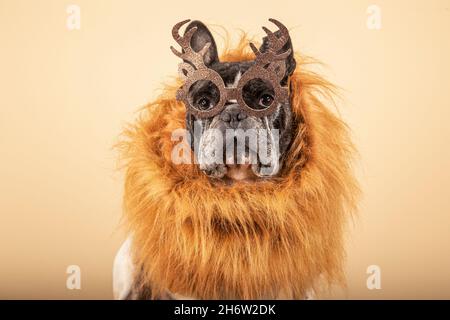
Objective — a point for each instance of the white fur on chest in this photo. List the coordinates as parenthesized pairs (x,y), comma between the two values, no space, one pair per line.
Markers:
(123,271)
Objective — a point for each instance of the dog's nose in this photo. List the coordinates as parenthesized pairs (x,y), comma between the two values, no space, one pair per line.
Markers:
(232,114)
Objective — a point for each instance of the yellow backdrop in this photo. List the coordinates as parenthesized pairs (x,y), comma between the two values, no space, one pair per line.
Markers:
(65,95)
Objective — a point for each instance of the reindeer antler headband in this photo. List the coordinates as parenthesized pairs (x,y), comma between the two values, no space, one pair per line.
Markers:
(269,66)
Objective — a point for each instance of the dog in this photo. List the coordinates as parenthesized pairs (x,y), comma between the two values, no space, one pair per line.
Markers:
(256,205)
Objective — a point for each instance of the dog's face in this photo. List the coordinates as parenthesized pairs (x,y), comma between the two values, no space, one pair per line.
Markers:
(238,162)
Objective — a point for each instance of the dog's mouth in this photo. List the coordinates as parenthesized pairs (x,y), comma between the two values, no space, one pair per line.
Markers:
(245,167)
(241,172)
(238,159)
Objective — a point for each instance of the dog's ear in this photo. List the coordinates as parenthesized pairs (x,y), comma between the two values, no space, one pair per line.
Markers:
(201,37)
(290,60)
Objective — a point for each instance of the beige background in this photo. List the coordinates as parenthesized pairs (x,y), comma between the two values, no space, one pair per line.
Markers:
(65,95)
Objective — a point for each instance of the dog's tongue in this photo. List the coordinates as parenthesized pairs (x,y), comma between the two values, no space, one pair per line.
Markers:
(239,167)
(240,172)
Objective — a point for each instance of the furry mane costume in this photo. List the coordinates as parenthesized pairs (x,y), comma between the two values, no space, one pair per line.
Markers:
(245,241)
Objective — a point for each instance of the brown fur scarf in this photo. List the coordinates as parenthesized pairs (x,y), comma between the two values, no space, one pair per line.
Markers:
(245,241)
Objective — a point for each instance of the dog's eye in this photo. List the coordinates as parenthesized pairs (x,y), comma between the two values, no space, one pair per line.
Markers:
(204,103)
(266,100)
